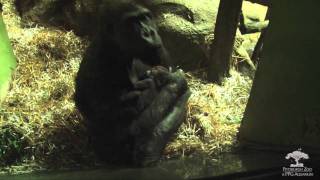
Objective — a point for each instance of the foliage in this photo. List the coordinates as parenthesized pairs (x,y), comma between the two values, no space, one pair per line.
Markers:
(13,144)
(7,60)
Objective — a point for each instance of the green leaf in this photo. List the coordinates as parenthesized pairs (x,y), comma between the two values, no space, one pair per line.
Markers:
(7,60)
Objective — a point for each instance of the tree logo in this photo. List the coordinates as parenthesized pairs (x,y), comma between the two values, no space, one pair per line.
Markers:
(297,155)
(297,168)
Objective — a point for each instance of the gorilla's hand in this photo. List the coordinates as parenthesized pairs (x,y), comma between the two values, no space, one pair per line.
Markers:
(147,89)
(138,88)
(174,82)
(144,84)
(160,75)
(142,95)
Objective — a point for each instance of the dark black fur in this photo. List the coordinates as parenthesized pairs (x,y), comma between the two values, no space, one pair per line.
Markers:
(132,104)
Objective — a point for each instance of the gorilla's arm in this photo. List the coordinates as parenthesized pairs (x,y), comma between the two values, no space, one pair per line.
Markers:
(149,146)
(173,119)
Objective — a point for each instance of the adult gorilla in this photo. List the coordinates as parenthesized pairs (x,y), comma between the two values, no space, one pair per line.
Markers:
(131,102)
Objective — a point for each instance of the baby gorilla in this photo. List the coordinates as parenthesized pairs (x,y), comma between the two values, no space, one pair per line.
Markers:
(132,104)
(161,102)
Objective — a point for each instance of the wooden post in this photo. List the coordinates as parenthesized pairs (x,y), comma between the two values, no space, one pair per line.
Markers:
(224,36)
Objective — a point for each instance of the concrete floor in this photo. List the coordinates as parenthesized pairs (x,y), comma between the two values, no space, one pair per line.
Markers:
(244,164)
